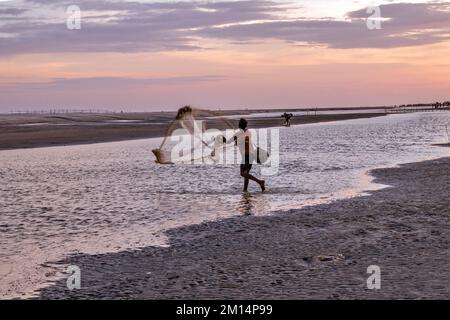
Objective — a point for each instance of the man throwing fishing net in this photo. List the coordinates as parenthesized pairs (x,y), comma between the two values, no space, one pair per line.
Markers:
(186,119)
(243,140)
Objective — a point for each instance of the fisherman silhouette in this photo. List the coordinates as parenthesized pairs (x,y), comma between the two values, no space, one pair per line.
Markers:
(287,119)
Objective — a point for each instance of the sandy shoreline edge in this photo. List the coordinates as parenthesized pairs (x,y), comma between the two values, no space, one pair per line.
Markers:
(22,132)
(317,252)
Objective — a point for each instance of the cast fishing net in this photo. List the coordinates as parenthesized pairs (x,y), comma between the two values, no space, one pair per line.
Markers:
(199,136)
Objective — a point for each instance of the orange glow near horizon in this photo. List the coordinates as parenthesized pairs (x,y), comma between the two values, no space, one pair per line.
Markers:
(221,73)
(273,77)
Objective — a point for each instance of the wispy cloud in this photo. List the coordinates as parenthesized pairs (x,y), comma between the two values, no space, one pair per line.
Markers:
(127,26)
(405,24)
(135,27)
(12,11)
(108,83)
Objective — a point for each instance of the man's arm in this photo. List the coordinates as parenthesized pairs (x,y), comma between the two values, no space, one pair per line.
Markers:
(234,139)
(247,145)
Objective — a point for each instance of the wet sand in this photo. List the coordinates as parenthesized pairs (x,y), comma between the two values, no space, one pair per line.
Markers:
(318,252)
(32,131)
(442,145)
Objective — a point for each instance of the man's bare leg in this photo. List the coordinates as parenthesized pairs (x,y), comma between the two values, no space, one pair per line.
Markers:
(246,181)
(247,176)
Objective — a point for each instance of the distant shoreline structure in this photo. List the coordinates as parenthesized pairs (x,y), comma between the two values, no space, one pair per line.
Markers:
(435,105)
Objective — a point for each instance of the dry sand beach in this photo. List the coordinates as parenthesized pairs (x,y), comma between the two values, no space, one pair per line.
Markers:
(318,252)
(19,131)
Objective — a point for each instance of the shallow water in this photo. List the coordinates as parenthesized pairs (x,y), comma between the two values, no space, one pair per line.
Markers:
(112,196)
(303,113)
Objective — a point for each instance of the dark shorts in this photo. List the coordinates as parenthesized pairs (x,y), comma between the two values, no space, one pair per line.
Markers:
(246,167)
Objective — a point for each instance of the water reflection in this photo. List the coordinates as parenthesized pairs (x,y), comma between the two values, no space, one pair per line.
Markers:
(254,203)
(246,204)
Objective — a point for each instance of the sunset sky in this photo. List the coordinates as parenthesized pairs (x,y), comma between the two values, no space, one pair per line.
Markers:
(159,55)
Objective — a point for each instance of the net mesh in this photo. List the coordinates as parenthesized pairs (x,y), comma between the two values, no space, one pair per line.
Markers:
(187,139)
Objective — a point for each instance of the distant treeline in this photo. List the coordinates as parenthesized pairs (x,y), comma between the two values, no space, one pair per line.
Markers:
(62,111)
(433,104)
(436,105)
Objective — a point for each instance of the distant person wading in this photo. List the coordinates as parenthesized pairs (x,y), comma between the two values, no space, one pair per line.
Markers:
(287,119)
